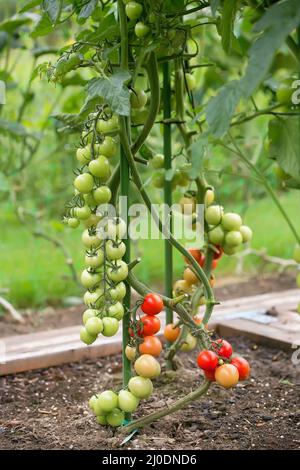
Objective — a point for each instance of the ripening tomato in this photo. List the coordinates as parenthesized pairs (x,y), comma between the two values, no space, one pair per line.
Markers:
(242,366)
(94,326)
(147,366)
(151,345)
(218,253)
(227,375)
(140,387)
(130,353)
(189,344)
(223,348)
(207,360)
(171,332)
(152,304)
(182,287)
(195,253)
(190,277)
(151,325)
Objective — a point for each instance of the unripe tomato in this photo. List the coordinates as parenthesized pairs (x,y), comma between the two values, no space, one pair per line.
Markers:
(92,402)
(230,250)
(134,10)
(223,348)
(94,299)
(242,366)
(127,401)
(231,221)
(213,215)
(216,235)
(102,195)
(110,326)
(89,200)
(284,94)
(157,161)
(115,249)
(118,272)
(107,401)
(115,418)
(207,360)
(151,345)
(118,292)
(190,277)
(246,233)
(184,179)
(138,98)
(189,344)
(101,419)
(100,168)
(94,326)
(89,313)
(181,287)
(188,205)
(233,238)
(140,387)
(83,155)
(116,311)
(73,223)
(171,332)
(92,221)
(130,353)
(151,325)
(190,81)
(90,280)
(109,126)
(158,180)
(227,375)
(116,228)
(147,366)
(209,197)
(94,259)
(139,116)
(296,254)
(108,147)
(84,183)
(152,304)
(141,29)
(86,337)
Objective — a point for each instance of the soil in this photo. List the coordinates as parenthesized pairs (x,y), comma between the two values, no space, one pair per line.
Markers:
(49,318)
(47,409)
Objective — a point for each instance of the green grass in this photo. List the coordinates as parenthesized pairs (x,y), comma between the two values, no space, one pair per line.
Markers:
(35,271)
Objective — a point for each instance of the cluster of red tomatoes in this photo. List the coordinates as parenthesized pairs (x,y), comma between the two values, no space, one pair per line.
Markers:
(219,365)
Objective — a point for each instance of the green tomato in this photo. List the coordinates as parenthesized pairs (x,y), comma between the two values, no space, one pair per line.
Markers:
(138,99)
(115,418)
(141,30)
(86,337)
(106,402)
(118,292)
(184,179)
(284,94)
(246,233)
(92,402)
(108,148)
(231,221)
(94,259)
(140,387)
(134,10)
(102,420)
(110,126)
(157,161)
(100,168)
(92,221)
(213,215)
(73,223)
(216,235)
(127,401)
(84,183)
(158,181)
(115,249)
(116,228)
(116,311)
(90,280)
(230,250)
(83,212)
(110,326)
(94,326)
(102,195)
(139,116)
(296,254)
(94,299)
(89,313)
(209,197)
(83,155)
(90,241)
(233,238)
(89,200)
(118,272)
(190,81)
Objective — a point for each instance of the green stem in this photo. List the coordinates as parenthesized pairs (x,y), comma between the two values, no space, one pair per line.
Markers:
(167,410)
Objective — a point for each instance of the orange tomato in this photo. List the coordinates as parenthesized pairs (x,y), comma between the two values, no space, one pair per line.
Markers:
(190,277)
(227,375)
(151,345)
(171,332)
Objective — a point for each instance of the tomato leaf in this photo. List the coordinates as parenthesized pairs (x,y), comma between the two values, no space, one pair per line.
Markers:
(227,23)
(42,27)
(197,155)
(285,144)
(29,5)
(52,8)
(12,24)
(87,9)
(113,90)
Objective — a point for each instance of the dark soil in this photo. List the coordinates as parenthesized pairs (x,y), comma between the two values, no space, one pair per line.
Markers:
(50,317)
(47,409)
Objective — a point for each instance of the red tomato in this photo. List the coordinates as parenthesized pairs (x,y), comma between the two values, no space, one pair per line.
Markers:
(219,252)
(210,375)
(214,264)
(223,348)
(207,360)
(152,304)
(151,345)
(151,325)
(171,332)
(242,366)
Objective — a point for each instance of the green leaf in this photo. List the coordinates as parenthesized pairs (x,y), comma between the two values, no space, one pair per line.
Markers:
(285,144)
(87,9)
(52,8)
(113,91)
(12,24)
(227,23)
(173,5)
(29,5)
(197,155)
(42,27)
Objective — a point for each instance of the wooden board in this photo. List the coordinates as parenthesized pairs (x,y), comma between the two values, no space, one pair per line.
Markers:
(245,316)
